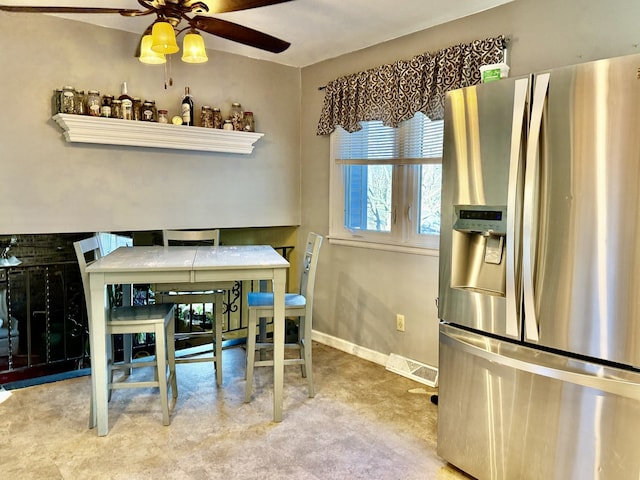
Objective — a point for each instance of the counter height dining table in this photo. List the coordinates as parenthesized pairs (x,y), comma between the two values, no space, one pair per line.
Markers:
(178,264)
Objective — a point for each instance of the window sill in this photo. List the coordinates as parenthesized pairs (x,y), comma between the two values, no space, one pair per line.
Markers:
(410,249)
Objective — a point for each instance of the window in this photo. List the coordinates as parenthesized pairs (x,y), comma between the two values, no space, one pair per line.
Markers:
(385,185)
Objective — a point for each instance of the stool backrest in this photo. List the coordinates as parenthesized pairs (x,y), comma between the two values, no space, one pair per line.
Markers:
(87,252)
(309,266)
(210,237)
(91,249)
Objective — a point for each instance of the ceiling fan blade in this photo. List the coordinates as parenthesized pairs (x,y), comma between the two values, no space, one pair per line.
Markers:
(224,6)
(238,33)
(121,11)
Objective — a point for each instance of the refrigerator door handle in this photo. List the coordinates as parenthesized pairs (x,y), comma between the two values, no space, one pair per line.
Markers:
(513,293)
(615,386)
(530,217)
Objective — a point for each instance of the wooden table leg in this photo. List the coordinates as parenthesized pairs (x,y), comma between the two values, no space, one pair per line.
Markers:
(279,280)
(98,345)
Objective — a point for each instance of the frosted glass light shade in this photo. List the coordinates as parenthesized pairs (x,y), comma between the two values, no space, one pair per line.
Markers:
(147,55)
(193,50)
(164,38)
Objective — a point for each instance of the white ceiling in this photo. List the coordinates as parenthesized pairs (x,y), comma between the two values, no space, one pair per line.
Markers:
(316,29)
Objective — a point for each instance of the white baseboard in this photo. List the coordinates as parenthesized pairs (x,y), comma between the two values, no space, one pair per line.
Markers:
(352,348)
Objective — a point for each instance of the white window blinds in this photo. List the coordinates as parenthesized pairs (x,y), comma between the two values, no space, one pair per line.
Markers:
(415,141)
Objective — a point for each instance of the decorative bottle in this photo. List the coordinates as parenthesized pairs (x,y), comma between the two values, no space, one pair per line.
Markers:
(68,99)
(206,117)
(237,116)
(127,103)
(249,122)
(105,109)
(163,116)
(93,103)
(137,108)
(217,118)
(116,108)
(56,102)
(147,112)
(187,108)
(79,106)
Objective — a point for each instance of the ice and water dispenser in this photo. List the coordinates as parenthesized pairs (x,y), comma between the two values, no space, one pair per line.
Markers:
(478,249)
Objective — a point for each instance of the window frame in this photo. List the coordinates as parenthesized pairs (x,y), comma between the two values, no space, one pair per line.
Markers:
(405,198)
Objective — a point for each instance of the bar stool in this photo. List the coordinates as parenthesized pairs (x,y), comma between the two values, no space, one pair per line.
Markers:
(296,305)
(157,319)
(197,293)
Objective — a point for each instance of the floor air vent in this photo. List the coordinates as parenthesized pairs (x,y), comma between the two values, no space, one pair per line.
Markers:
(414,370)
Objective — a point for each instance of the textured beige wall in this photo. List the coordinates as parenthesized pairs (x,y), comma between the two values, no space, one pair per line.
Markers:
(48,185)
(359,291)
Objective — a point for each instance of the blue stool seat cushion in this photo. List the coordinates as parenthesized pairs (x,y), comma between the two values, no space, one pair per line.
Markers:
(265,299)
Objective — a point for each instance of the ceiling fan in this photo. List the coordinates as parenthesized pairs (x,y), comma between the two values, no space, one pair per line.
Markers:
(174,11)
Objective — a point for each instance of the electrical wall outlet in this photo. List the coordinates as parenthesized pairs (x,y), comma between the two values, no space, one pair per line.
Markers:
(400,322)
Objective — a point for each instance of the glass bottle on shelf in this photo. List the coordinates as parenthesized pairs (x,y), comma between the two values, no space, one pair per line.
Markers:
(217,118)
(79,103)
(67,103)
(56,102)
(93,103)
(147,112)
(137,109)
(105,109)
(154,111)
(187,108)
(127,103)
(236,116)
(249,122)
(116,108)
(163,116)
(206,117)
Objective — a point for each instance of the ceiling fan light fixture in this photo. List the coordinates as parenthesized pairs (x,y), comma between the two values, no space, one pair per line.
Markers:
(164,38)
(147,55)
(193,50)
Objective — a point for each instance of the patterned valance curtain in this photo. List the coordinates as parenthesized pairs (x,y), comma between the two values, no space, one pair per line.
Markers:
(395,92)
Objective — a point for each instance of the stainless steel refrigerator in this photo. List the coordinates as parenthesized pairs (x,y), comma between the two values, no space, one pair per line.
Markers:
(539,296)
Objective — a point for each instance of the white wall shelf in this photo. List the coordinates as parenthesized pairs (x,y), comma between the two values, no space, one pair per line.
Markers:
(112,131)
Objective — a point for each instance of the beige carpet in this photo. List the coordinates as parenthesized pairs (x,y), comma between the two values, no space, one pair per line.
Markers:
(364,423)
